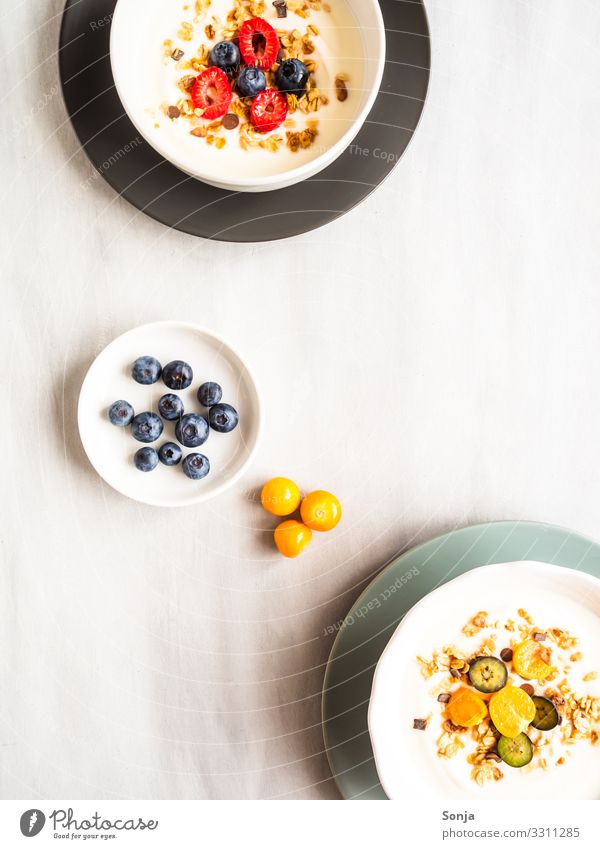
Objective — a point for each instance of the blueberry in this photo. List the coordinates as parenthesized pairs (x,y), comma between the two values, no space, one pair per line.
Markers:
(192,430)
(146,427)
(225,55)
(223,418)
(146,370)
(145,459)
(177,375)
(170,407)
(209,394)
(196,466)
(121,413)
(251,81)
(292,76)
(169,454)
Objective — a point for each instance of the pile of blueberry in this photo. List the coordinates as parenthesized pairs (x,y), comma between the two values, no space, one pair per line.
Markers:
(191,429)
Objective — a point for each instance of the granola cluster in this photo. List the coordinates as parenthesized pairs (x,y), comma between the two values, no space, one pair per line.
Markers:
(301,127)
(578,714)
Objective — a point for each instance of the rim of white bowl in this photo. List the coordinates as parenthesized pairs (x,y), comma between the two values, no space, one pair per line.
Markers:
(294,175)
(199,497)
(534,565)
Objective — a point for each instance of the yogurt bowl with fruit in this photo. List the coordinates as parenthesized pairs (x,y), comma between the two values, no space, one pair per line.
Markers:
(489,688)
(248,95)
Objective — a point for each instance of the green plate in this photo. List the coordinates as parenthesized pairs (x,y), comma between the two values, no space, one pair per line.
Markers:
(373,618)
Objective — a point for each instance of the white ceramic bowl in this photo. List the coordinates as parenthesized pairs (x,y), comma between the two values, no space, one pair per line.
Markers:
(138,30)
(110,449)
(406,759)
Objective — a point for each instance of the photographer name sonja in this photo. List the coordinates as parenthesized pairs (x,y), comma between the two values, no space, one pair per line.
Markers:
(62,819)
(461,816)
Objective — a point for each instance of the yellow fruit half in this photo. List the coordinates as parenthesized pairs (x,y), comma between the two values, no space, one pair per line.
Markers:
(530,660)
(466,708)
(511,710)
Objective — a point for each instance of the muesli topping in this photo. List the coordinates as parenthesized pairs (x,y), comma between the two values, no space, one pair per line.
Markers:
(514,710)
(257,64)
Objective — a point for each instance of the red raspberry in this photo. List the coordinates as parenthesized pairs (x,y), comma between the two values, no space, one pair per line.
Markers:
(212,93)
(259,44)
(269,110)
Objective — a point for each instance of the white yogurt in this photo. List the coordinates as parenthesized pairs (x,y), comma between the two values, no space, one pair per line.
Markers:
(547,610)
(407,759)
(339,49)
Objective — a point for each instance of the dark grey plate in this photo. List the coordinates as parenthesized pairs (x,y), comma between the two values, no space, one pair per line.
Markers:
(156,187)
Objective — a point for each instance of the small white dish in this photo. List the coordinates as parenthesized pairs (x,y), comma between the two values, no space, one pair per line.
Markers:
(110,449)
(406,759)
(138,30)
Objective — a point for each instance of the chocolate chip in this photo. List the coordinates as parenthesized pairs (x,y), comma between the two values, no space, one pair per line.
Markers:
(420,724)
(281,7)
(540,636)
(230,121)
(455,673)
(177,54)
(506,655)
(528,689)
(444,698)
(341,90)
(173,112)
